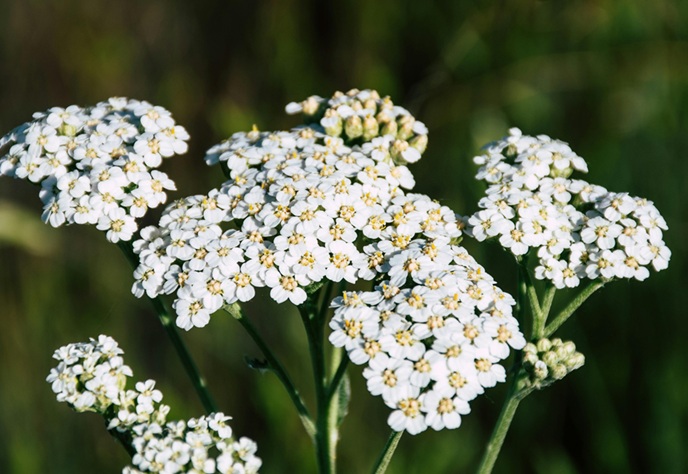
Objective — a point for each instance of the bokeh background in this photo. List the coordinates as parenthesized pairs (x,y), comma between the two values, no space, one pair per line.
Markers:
(608,76)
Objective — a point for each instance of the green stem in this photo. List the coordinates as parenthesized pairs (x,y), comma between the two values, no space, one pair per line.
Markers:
(314,331)
(339,373)
(530,292)
(338,361)
(500,430)
(548,299)
(540,319)
(279,371)
(565,313)
(387,452)
(178,343)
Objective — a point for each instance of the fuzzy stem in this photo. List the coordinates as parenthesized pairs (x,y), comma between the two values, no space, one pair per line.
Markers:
(314,332)
(500,430)
(178,343)
(387,452)
(565,313)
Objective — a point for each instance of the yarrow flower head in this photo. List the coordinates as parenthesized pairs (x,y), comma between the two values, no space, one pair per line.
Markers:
(304,207)
(576,229)
(96,165)
(202,444)
(430,343)
(91,376)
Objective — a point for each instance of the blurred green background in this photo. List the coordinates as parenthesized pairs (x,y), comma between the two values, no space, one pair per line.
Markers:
(610,77)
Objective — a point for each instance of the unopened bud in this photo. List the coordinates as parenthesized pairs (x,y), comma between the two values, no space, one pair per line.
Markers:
(405,123)
(370,104)
(530,358)
(569,347)
(388,128)
(332,123)
(420,143)
(66,129)
(310,105)
(353,127)
(370,128)
(543,345)
(540,370)
(550,358)
(559,371)
(530,348)
(576,361)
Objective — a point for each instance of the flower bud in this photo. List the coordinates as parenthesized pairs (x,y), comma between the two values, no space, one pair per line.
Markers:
(388,127)
(405,123)
(370,128)
(559,371)
(530,348)
(543,345)
(68,130)
(370,104)
(353,127)
(332,123)
(569,347)
(530,358)
(310,105)
(550,358)
(575,361)
(420,143)
(540,370)
(356,105)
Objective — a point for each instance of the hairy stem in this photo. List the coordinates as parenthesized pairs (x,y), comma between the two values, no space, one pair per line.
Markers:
(500,430)
(566,313)
(387,452)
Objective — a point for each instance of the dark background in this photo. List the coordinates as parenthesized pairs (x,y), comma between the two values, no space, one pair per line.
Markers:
(609,77)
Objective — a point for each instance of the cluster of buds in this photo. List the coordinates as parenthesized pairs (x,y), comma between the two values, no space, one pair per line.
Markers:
(550,360)
(365,116)
(91,376)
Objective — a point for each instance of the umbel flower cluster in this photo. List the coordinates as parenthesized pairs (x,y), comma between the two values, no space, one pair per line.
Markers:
(92,376)
(577,229)
(328,202)
(96,165)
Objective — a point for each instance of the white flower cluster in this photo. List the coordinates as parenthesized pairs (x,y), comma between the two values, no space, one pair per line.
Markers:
(578,230)
(550,360)
(313,205)
(91,376)
(365,117)
(303,206)
(96,165)
(432,347)
(203,445)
